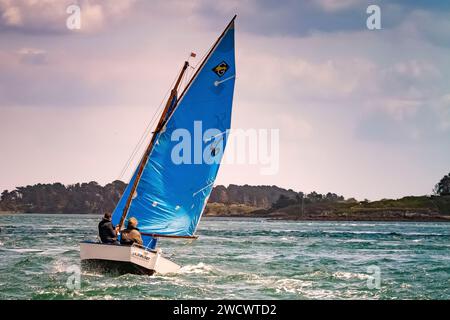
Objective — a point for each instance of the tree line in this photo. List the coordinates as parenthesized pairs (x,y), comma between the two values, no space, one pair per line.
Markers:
(442,188)
(58,198)
(94,198)
(91,197)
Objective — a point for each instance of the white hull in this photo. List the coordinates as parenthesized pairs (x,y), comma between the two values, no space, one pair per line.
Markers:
(125,259)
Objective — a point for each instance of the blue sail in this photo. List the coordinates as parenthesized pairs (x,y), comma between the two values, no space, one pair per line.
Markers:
(172,193)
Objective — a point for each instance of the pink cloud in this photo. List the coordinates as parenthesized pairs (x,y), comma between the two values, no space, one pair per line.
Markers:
(50,15)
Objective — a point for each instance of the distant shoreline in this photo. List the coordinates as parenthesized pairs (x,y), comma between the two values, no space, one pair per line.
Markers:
(413,217)
(410,209)
(246,201)
(368,219)
(434,218)
(9,212)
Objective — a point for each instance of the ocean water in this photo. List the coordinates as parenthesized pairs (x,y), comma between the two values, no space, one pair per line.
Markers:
(236,258)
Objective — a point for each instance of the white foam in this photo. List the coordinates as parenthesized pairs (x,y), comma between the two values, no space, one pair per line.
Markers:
(197,268)
(319,294)
(23,250)
(54,251)
(286,285)
(64,266)
(292,285)
(287,239)
(302,288)
(317,273)
(93,274)
(350,275)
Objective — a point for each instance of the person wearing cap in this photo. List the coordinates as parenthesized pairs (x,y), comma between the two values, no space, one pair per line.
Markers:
(131,234)
(106,231)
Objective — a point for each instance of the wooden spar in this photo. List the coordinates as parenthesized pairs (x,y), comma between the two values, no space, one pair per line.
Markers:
(161,123)
(155,235)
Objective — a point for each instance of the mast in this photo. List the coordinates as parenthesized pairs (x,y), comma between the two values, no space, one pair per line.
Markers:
(161,123)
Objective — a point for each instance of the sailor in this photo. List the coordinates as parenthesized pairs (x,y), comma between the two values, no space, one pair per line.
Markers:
(131,234)
(106,231)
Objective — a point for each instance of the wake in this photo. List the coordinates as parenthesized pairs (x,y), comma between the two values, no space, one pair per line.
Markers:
(199,268)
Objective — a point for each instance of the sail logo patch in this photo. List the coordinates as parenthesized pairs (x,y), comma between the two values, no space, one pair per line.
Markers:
(221,68)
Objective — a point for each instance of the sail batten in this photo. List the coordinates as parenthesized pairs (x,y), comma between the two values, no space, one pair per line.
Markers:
(170,196)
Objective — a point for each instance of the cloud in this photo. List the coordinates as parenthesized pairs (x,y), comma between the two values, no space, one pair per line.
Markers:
(354,107)
(12,16)
(294,18)
(291,18)
(49,16)
(443,111)
(404,87)
(328,78)
(432,26)
(336,5)
(32,56)
(382,95)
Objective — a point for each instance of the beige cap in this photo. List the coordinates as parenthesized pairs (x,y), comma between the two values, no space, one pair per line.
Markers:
(132,222)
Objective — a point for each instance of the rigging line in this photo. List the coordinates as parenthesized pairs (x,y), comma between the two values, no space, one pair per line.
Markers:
(199,63)
(188,78)
(138,146)
(185,76)
(145,133)
(205,187)
(213,145)
(218,135)
(189,73)
(204,55)
(183,80)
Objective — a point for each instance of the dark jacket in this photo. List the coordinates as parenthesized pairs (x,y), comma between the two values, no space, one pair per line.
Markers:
(130,235)
(106,231)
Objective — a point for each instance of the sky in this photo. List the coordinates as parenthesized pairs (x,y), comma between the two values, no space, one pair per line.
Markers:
(362,113)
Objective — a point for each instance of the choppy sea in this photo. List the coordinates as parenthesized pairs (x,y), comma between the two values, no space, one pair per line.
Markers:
(235,258)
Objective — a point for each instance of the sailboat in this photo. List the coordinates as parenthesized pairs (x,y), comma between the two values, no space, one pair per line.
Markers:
(167,197)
